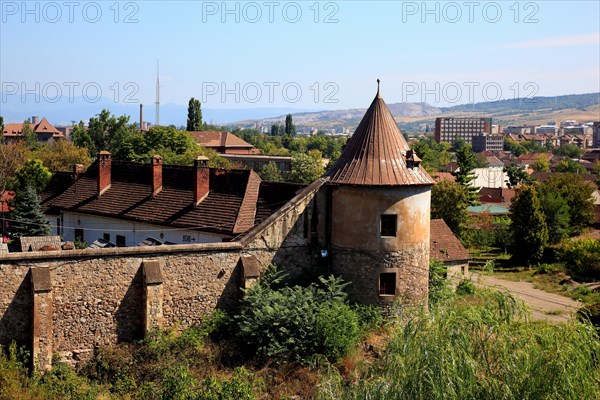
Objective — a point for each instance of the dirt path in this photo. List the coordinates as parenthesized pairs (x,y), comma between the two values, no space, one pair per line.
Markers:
(544,305)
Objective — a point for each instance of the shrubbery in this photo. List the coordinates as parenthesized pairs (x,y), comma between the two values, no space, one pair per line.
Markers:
(581,258)
(298,323)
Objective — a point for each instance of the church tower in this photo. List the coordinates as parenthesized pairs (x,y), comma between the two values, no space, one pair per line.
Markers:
(379,201)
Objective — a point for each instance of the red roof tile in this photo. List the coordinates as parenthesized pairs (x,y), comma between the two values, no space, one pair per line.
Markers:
(444,245)
(377,153)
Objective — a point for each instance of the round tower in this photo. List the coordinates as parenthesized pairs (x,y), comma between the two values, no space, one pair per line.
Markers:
(379,222)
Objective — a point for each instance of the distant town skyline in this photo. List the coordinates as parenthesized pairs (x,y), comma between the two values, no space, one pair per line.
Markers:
(296,55)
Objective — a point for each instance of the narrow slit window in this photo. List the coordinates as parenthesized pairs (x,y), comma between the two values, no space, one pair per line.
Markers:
(387,283)
(388,225)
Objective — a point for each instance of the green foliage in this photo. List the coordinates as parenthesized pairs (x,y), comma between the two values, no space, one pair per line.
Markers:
(568,150)
(290,128)
(465,158)
(542,164)
(465,288)
(306,168)
(439,290)
(29,136)
(62,155)
(27,216)
(297,323)
(270,172)
(517,176)
(542,269)
(570,166)
(434,156)
(556,209)
(470,352)
(578,195)
(194,118)
(581,258)
(529,229)
(32,174)
(61,382)
(105,132)
(449,201)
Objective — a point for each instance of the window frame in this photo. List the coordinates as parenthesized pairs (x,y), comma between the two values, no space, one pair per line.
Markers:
(387,283)
(385,219)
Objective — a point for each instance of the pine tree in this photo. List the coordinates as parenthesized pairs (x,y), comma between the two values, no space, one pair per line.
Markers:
(529,228)
(194,119)
(465,158)
(27,218)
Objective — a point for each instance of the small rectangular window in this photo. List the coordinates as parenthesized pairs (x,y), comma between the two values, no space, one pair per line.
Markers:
(388,225)
(106,237)
(58,226)
(120,241)
(387,283)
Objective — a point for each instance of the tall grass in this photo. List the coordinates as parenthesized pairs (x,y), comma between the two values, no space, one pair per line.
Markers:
(481,351)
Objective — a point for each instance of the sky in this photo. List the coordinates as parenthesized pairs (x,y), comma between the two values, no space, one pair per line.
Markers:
(299,55)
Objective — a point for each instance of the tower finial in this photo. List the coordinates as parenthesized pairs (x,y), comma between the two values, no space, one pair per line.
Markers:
(378,87)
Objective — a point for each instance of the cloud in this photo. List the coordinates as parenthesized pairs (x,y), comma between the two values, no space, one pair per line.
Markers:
(579,40)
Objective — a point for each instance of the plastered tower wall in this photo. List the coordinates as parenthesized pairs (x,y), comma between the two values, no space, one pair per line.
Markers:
(360,254)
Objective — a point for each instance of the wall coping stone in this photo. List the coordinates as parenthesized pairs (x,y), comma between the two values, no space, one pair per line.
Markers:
(40,279)
(152,272)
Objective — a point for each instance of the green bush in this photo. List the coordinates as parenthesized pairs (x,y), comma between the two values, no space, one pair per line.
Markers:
(541,269)
(297,323)
(465,288)
(459,351)
(439,290)
(581,258)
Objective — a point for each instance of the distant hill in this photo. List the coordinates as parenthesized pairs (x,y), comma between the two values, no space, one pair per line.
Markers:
(419,116)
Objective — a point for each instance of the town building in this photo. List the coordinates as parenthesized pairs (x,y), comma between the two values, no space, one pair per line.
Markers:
(487,143)
(42,128)
(446,247)
(224,142)
(449,129)
(596,135)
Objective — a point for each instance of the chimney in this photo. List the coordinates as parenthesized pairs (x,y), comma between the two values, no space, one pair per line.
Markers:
(157,163)
(77,170)
(141,117)
(104,164)
(201,179)
(35,120)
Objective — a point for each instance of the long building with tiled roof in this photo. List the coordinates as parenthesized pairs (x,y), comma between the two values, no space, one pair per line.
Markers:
(177,204)
(44,130)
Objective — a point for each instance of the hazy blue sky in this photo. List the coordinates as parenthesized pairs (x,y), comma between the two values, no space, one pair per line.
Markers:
(439,52)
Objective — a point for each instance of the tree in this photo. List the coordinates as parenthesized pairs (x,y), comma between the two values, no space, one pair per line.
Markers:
(529,229)
(542,164)
(568,165)
(290,128)
(434,156)
(270,172)
(277,130)
(449,201)
(62,155)
(12,157)
(556,210)
(29,135)
(568,150)
(27,216)
(578,195)
(105,132)
(33,174)
(306,168)
(465,158)
(2,127)
(194,119)
(517,176)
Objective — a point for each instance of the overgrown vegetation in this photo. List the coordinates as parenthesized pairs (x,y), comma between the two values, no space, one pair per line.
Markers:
(477,348)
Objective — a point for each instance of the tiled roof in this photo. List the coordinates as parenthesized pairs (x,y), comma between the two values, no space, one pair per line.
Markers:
(5,197)
(377,153)
(444,245)
(443,176)
(532,157)
(16,129)
(229,208)
(272,196)
(496,195)
(219,139)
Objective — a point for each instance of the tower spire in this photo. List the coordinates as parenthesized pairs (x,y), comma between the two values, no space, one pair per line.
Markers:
(157,102)
(378,87)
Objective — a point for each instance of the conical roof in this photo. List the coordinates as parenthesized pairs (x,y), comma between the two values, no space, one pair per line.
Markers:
(377,154)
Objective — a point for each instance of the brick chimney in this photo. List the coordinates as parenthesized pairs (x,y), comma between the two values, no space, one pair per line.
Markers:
(201,179)
(157,164)
(104,164)
(77,170)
